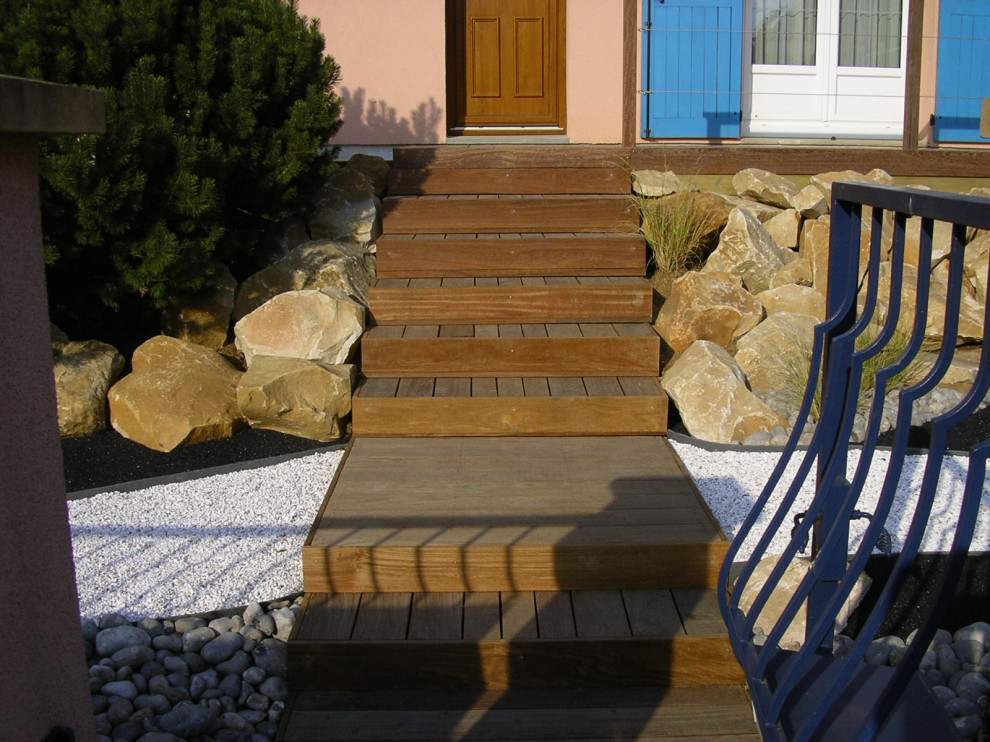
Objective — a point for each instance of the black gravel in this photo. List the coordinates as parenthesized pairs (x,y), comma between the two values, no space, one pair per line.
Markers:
(107,458)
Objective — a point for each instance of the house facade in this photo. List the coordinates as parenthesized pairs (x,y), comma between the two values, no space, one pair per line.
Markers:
(642,71)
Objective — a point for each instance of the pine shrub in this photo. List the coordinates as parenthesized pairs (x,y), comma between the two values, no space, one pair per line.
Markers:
(218,117)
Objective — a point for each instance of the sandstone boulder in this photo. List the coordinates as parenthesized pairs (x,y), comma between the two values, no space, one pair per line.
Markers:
(374,168)
(707,306)
(299,397)
(824,181)
(178,393)
(346,208)
(746,250)
(84,373)
(203,318)
(785,228)
(709,390)
(977,264)
(288,234)
(763,212)
(654,183)
(970,311)
(796,271)
(793,298)
(815,237)
(777,353)
(316,325)
(783,591)
(811,202)
(766,187)
(315,266)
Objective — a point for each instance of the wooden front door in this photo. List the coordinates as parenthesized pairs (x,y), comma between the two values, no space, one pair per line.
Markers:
(507,66)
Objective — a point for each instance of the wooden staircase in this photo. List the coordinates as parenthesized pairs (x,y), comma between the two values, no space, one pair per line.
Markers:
(511,549)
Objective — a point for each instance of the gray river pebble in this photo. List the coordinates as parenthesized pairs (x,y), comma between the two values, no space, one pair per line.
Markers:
(164,680)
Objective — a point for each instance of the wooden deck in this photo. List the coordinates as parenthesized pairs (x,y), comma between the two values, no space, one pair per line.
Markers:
(511,550)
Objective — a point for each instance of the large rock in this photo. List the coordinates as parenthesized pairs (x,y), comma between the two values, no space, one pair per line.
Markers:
(374,168)
(203,318)
(178,393)
(317,325)
(766,187)
(776,354)
(315,265)
(287,235)
(295,396)
(977,263)
(84,373)
(970,310)
(796,271)
(783,590)
(824,181)
(709,390)
(763,212)
(810,202)
(815,236)
(793,298)
(746,250)
(785,228)
(707,306)
(654,183)
(345,208)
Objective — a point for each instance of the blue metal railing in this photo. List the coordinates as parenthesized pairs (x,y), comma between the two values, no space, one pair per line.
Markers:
(809,694)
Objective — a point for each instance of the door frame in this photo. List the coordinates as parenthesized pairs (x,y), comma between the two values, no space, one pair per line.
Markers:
(456,88)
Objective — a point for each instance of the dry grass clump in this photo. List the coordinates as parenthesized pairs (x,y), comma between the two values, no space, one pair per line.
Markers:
(680,230)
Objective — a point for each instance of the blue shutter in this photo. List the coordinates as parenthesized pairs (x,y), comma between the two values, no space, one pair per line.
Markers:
(963,69)
(692,68)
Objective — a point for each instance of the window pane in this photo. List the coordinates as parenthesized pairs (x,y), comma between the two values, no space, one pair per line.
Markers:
(870,33)
(785,31)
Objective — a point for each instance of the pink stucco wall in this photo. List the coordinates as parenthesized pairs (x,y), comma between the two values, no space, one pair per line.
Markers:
(392,55)
(393,67)
(594,71)
(36,567)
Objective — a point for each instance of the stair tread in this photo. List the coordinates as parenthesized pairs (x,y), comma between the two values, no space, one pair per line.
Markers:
(510,616)
(454,282)
(545,331)
(487,387)
(421,181)
(715,713)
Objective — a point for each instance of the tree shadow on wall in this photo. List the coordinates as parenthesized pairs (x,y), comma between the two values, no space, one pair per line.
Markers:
(375,120)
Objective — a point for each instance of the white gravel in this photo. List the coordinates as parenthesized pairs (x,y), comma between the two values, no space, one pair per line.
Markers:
(731,482)
(199,545)
(225,540)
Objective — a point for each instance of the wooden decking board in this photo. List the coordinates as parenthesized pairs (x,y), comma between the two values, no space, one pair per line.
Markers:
(606,301)
(591,355)
(718,714)
(463,214)
(421,182)
(546,256)
(557,386)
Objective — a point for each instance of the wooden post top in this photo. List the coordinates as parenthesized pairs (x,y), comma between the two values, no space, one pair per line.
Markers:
(37,107)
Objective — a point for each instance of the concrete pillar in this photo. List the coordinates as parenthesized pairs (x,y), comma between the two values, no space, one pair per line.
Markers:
(45,693)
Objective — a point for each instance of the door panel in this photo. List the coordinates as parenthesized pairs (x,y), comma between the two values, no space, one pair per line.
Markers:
(507,65)
(963,70)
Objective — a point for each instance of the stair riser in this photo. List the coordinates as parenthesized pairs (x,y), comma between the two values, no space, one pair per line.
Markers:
(400,257)
(511,304)
(477,216)
(507,416)
(520,664)
(481,568)
(536,181)
(513,357)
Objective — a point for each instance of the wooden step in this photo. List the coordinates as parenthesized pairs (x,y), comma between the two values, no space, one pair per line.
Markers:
(594,405)
(405,301)
(513,513)
(511,350)
(480,214)
(688,714)
(539,181)
(506,156)
(511,640)
(511,254)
